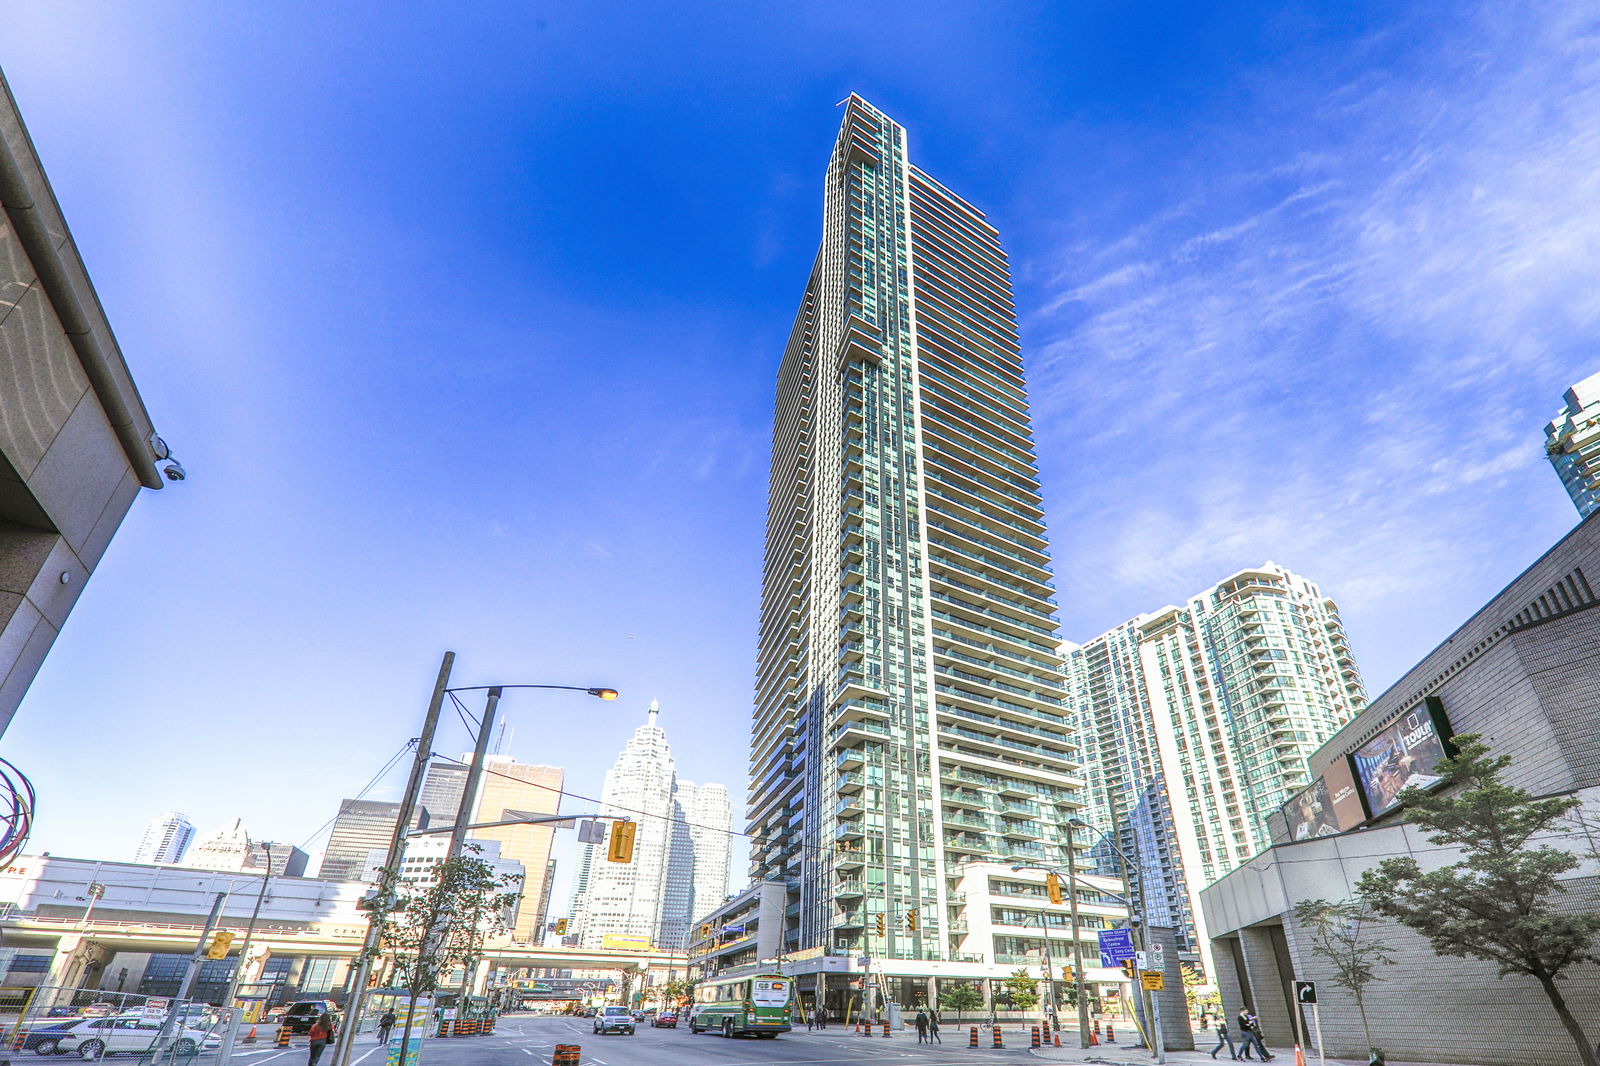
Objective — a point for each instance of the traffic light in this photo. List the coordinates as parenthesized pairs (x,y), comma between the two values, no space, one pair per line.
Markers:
(1052,887)
(881,926)
(911,920)
(621,849)
(561,926)
(705,931)
(218,948)
(1131,968)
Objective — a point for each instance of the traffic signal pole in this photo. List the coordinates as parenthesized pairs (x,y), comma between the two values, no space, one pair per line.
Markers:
(388,879)
(164,1038)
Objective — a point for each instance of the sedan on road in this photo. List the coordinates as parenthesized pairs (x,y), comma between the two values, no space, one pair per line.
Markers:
(665,1020)
(95,1037)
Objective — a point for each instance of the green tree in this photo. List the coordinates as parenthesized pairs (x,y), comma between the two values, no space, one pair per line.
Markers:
(1499,902)
(437,925)
(675,991)
(1337,934)
(1022,990)
(963,997)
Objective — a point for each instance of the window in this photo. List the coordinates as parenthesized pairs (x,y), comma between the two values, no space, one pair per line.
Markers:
(318,975)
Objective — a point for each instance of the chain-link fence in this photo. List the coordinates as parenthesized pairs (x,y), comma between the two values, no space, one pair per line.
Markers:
(91,1023)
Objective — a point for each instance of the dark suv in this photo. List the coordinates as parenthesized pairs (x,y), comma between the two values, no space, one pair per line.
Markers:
(299,1016)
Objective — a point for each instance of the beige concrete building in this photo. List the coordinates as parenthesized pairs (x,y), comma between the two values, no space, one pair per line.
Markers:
(76,443)
(512,786)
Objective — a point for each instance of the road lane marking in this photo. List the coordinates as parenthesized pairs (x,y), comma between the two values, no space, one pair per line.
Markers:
(369,1051)
(525,1051)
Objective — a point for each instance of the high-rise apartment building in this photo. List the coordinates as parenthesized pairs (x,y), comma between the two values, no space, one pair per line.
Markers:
(165,839)
(361,826)
(676,865)
(1572,441)
(908,714)
(1197,722)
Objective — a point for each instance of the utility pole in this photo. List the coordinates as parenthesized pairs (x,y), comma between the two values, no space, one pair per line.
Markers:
(389,878)
(458,834)
(1077,944)
(235,1017)
(164,1038)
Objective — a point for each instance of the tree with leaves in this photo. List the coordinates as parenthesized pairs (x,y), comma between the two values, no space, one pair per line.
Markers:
(441,923)
(676,990)
(1499,903)
(962,998)
(1338,933)
(1022,990)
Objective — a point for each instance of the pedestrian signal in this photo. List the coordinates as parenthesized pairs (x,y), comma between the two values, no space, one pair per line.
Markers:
(218,948)
(881,927)
(911,920)
(621,849)
(1052,887)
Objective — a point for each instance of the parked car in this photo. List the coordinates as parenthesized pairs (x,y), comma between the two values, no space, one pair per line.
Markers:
(614,1020)
(667,1019)
(45,1039)
(299,1016)
(94,1037)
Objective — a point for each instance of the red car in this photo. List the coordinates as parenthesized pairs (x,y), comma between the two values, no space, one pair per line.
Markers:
(665,1020)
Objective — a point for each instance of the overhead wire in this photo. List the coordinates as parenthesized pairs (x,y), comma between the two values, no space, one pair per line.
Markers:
(368,787)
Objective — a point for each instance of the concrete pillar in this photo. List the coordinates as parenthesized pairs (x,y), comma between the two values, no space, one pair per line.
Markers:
(1266,985)
(933,992)
(77,963)
(1176,1032)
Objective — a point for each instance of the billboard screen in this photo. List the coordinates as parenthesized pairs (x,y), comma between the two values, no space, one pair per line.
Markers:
(1403,754)
(616,942)
(1329,805)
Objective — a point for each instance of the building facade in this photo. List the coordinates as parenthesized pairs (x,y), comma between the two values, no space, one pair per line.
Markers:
(908,709)
(653,898)
(226,849)
(1524,674)
(281,860)
(1199,721)
(166,838)
(361,826)
(508,785)
(1572,441)
(76,443)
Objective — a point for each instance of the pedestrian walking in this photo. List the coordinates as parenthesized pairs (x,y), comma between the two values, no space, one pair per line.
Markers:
(385,1026)
(822,1016)
(1250,1035)
(322,1034)
(922,1027)
(933,1026)
(1224,1037)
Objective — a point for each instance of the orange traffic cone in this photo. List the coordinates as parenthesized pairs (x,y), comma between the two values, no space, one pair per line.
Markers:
(1299,1056)
(250,1037)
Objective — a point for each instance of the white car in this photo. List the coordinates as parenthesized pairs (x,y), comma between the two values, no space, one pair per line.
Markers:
(614,1020)
(95,1037)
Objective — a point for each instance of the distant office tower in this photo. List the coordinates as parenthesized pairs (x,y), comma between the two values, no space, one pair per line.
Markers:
(508,785)
(1573,443)
(908,709)
(653,896)
(707,814)
(442,789)
(287,860)
(226,849)
(361,826)
(165,839)
(1197,722)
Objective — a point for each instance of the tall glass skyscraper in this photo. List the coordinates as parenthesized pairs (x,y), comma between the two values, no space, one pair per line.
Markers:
(908,711)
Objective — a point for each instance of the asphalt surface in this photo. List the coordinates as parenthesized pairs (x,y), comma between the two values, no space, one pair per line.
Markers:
(526,1040)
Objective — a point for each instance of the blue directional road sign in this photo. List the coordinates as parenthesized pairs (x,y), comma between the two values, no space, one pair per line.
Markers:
(1115,945)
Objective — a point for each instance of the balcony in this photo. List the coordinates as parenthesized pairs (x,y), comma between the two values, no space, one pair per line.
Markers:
(849,758)
(850,782)
(848,888)
(848,831)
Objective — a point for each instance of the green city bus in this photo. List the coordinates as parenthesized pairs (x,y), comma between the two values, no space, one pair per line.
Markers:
(733,1006)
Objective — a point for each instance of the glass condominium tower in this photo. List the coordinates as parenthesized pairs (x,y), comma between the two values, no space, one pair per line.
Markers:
(909,716)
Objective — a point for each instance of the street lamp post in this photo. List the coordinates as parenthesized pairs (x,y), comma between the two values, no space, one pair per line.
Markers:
(1158,1044)
(234,1019)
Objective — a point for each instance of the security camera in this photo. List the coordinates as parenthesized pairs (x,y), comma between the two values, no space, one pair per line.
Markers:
(174,471)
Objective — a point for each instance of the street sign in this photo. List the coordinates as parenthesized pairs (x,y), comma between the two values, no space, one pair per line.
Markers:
(1115,945)
(1305,992)
(1142,959)
(1153,981)
(591,832)
(1158,958)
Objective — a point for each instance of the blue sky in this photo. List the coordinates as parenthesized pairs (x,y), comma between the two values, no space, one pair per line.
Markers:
(465,322)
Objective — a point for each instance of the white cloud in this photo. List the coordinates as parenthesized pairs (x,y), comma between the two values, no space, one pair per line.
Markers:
(1350,374)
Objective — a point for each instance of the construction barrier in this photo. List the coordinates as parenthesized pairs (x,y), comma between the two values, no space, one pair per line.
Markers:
(865,1028)
(885,1028)
(1034,1037)
(283,1036)
(1111,1033)
(972,1037)
(566,1055)
(444,1027)
(994,1034)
